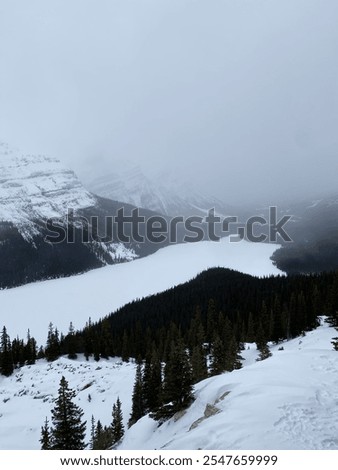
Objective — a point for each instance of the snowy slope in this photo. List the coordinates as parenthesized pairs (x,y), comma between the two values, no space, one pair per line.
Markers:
(36,187)
(289,401)
(101,291)
(26,398)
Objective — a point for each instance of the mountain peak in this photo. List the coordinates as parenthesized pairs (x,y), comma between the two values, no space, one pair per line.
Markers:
(37,187)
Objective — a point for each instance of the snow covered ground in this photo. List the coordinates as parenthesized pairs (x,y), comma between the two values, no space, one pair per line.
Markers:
(289,401)
(101,291)
(26,397)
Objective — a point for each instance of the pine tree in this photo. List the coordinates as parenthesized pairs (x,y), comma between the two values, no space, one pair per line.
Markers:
(30,350)
(138,402)
(45,439)
(152,382)
(92,433)
(103,437)
(217,365)
(6,356)
(71,340)
(52,350)
(106,343)
(96,347)
(88,339)
(68,431)
(232,356)
(117,423)
(18,352)
(262,345)
(177,386)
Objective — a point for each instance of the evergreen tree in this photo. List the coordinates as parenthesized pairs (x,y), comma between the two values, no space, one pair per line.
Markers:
(177,386)
(217,365)
(117,423)
(71,340)
(106,344)
(45,439)
(6,356)
(103,437)
(262,345)
(88,339)
(30,350)
(232,356)
(52,350)
(152,382)
(92,433)
(138,402)
(96,347)
(18,352)
(68,431)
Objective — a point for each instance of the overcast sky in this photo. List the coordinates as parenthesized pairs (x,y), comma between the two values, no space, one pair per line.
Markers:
(238,95)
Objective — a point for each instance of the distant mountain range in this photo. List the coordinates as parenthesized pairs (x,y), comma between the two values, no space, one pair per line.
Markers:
(36,188)
(166,192)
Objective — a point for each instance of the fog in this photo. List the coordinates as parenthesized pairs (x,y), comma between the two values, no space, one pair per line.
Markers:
(239,96)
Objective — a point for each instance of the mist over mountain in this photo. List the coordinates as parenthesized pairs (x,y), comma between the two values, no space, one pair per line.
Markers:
(238,96)
(168,193)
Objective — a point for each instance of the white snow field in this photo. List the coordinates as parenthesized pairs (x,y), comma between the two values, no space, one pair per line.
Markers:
(101,291)
(289,401)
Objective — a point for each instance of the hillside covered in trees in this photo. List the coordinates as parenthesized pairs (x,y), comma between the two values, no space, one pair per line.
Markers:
(215,301)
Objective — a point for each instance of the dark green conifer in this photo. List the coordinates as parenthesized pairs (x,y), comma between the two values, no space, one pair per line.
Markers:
(6,356)
(117,423)
(68,431)
(262,344)
(177,386)
(138,402)
(71,340)
(45,439)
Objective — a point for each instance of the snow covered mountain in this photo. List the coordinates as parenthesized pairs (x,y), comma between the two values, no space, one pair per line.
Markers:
(166,192)
(288,401)
(35,189)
